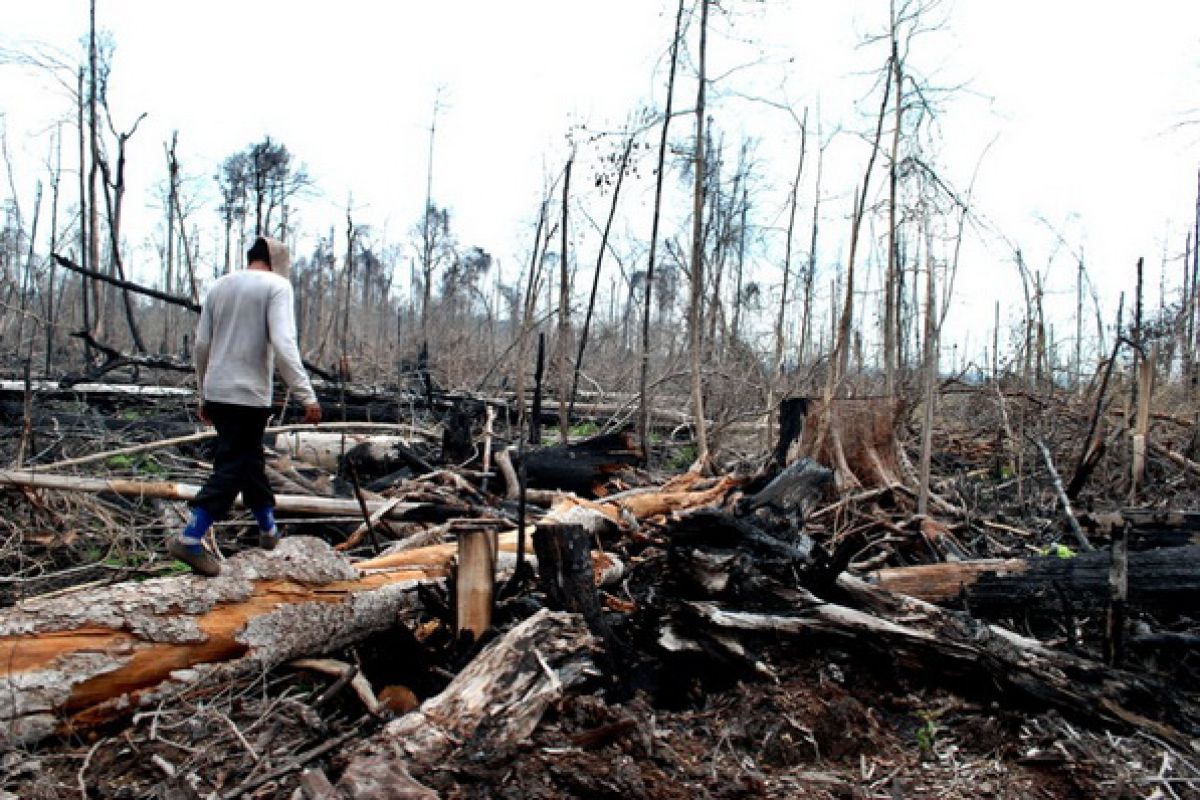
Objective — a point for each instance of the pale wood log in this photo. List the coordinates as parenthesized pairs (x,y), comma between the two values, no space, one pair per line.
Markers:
(493,705)
(326,450)
(170,490)
(1080,537)
(474,583)
(212,434)
(94,655)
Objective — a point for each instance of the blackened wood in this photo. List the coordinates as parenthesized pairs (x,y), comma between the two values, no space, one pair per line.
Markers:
(1118,586)
(564,554)
(535,416)
(792,491)
(1163,581)
(792,411)
(581,467)
(457,447)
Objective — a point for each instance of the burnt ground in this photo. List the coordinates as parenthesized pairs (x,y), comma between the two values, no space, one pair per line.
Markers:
(833,721)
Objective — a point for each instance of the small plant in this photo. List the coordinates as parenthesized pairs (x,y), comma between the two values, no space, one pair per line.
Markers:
(584,429)
(119,462)
(927,735)
(684,458)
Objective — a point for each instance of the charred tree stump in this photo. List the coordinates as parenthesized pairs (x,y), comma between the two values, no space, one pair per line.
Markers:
(792,411)
(564,554)
(1118,584)
(457,447)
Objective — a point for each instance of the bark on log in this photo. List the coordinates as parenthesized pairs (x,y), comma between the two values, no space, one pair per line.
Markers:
(492,706)
(1166,580)
(85,658)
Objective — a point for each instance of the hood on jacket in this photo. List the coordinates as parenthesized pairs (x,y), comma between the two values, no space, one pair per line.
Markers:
(273,253)
(281,262)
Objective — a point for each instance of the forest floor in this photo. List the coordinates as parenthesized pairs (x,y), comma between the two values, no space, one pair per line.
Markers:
(834,721)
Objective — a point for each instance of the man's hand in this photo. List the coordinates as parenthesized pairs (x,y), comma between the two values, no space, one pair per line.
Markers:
(202,413)
(312,414)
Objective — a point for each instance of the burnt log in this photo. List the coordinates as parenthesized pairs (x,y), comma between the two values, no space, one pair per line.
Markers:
(581,467)
(980,658)
(1164,581)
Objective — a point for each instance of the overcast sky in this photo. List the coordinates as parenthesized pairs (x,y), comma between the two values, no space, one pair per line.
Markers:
(1077,103)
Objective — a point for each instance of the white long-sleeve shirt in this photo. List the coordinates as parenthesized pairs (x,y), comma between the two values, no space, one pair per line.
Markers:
(247,325)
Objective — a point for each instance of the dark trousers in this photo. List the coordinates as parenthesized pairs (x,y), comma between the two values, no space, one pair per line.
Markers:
(239,464)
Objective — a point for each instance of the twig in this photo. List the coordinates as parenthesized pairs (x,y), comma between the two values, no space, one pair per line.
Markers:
(87,760)
(1080,536)
(295,763)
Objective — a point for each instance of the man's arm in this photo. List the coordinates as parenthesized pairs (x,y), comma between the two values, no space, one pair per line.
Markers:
(200,352)
(281,325)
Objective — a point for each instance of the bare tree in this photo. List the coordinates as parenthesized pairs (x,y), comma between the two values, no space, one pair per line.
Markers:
(695,305)
(643,375)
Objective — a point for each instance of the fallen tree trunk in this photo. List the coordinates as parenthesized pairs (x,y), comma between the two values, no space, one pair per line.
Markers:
(373,455)
(1165,580)
(85,658)
(169,490)
(489,708)
(81,659)
(921,637)
(581,467)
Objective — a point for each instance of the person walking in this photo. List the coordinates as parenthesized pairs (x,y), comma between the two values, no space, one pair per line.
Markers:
(247,328)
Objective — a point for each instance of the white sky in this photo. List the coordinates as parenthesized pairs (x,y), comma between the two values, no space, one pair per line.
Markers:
(1080,97)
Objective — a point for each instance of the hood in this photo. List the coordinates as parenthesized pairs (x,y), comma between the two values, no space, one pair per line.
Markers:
(281,262)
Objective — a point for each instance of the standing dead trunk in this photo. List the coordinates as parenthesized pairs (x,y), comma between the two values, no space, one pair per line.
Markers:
(562,350)
(695,306)
(777,363)
(644,370)
(587,319)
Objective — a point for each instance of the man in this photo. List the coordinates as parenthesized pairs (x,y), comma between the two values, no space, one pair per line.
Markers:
(247,327)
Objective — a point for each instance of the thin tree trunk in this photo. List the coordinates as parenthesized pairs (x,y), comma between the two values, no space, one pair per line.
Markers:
(931,371)
(562,351)
(777,364)
(84,218)
(587,319)
(51,305)
(695,322)
(27,280)
(890,287)
(644,372)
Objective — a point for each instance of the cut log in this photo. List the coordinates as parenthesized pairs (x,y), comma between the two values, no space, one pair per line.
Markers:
(84,658)
(1165,581)
(474,581)
(491,707)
